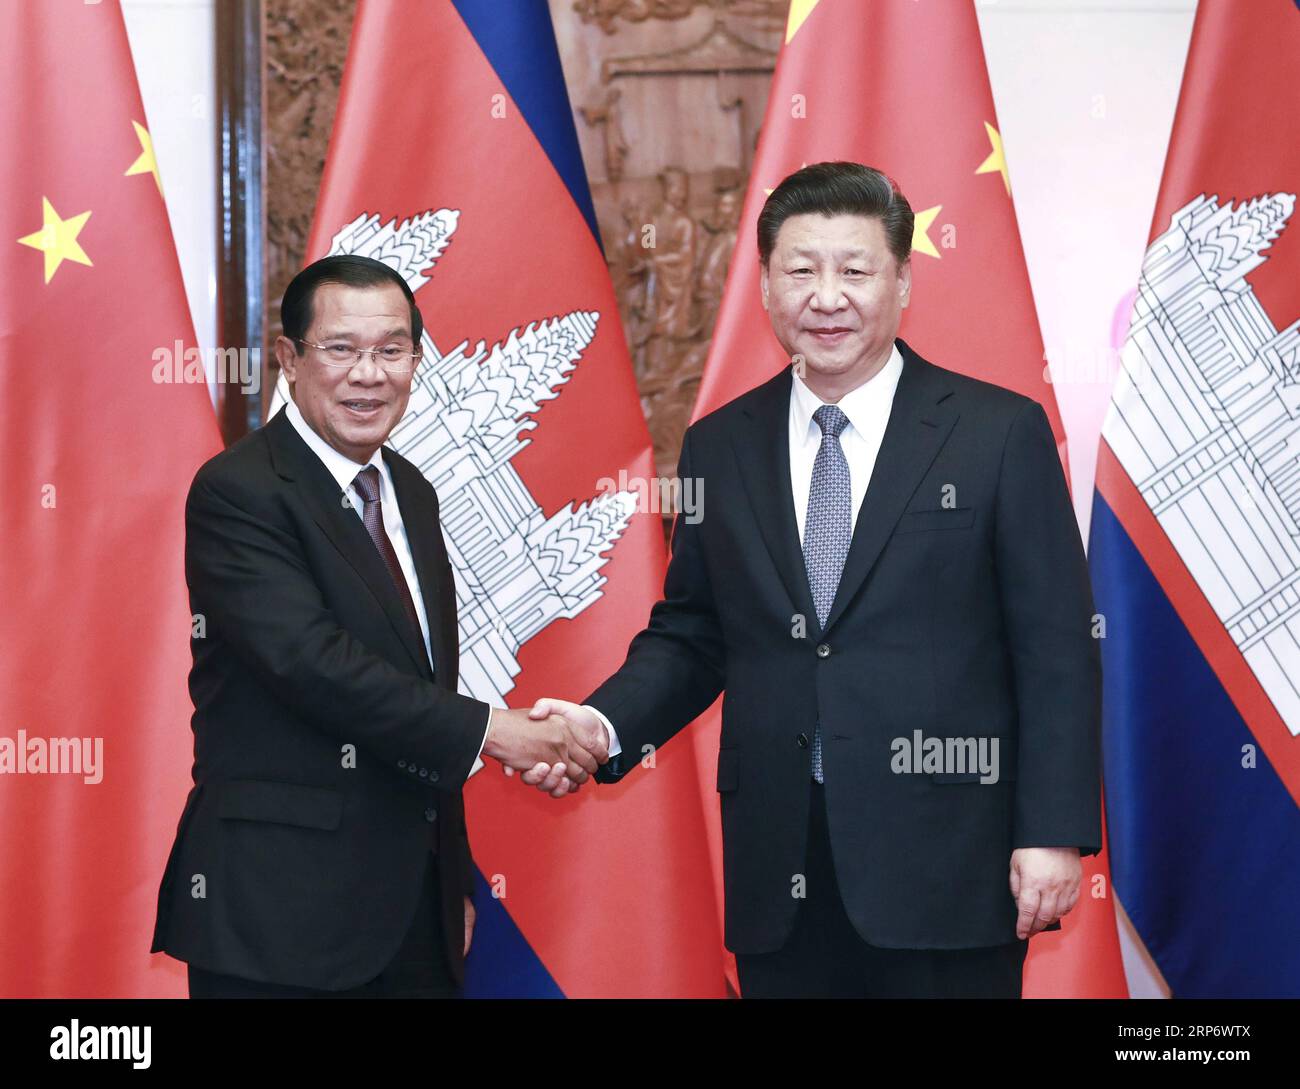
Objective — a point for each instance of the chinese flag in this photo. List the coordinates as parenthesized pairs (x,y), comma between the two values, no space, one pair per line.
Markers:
(848,86)
(100,434)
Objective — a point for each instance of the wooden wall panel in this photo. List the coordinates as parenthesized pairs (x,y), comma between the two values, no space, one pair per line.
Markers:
(306,45)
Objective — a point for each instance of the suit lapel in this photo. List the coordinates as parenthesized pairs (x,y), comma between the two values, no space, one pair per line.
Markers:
(427,549)
(919,423)
(293,460)
(762,451)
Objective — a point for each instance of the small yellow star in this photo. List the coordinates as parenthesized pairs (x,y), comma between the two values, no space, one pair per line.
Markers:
(997,161)
(57,239)
(146,163)
(920,225)
(799,11)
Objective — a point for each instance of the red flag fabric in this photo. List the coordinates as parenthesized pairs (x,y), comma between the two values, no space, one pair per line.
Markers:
(105,419)
(848,86)
(453,158)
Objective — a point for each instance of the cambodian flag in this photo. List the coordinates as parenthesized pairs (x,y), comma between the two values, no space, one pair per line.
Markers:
(454,158)
(1195,545)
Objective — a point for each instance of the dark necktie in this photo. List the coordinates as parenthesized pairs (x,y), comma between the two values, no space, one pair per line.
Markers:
(828,528)
(372,514)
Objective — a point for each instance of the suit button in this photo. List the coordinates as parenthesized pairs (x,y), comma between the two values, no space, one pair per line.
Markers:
(424,773)
(430,815)
(823,650)
(401,763)
(803,741)
(433,776)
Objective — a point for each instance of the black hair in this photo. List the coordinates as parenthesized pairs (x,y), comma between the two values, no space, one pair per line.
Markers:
(340,268)
(838,188)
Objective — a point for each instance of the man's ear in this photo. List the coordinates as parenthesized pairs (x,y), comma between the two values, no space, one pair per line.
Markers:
(286,354)
(905,283)
(762,283)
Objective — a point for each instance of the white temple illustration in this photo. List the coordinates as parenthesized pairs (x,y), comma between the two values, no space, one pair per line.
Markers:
(1205,419)
(516,569)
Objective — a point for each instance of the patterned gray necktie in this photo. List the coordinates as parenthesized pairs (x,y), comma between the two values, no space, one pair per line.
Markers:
(828,528)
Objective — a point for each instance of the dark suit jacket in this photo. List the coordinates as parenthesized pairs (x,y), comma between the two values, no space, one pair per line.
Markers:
(327,758)
(964,618)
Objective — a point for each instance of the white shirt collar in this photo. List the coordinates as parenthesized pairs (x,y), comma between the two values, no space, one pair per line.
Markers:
(341,467)
(863,405)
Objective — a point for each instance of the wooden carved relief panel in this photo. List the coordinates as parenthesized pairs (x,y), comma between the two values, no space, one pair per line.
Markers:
(305,48)
(668,96)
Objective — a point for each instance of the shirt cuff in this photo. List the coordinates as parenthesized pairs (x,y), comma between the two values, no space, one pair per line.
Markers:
(614,747)
(478,760)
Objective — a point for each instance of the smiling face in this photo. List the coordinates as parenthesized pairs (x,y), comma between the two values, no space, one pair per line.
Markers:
(351,408)
(835,296)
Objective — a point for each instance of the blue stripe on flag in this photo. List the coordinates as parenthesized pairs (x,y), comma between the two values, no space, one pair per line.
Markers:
(1204,854)
(518,40)
(501,963)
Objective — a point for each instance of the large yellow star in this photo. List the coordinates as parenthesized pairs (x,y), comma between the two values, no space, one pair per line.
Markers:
(799,11)
(146,163)
(920,225)
(57,239)
(997,161)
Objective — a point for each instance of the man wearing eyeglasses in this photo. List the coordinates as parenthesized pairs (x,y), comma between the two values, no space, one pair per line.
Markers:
(323,850)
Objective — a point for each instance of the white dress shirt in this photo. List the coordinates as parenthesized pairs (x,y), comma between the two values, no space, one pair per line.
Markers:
(344,471)
(867,408)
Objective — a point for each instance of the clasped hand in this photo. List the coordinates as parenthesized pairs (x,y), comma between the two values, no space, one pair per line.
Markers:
(555,746)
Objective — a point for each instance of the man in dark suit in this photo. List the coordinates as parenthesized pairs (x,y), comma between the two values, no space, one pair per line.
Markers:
(323,847)
(889,586)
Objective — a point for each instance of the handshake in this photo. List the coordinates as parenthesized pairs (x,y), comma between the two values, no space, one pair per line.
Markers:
(554,747)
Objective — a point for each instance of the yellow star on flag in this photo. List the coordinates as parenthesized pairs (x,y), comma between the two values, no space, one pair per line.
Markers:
(57,239)
(920,226)
(146,163)
(799,11)
(997,161)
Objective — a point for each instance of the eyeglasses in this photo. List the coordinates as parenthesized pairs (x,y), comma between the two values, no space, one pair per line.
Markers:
(392,357)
